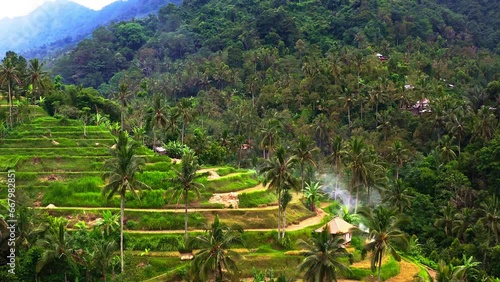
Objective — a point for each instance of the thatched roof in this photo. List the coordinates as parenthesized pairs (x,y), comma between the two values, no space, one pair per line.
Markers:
(338,226)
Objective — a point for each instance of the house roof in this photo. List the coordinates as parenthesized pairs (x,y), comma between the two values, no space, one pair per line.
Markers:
(338,226)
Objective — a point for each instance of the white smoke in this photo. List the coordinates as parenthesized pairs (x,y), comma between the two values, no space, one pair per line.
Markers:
(334,187)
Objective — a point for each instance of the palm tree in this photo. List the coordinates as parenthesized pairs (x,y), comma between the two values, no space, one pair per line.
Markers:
(122,96)
(215,255)
(446,149)
(384,234)
(36,78)
(463,219)
(397,195)
(56,246)
(185,181)
(312,192)
(322,257)
(278,174)
(398,155)
(269,133)
(304,155)
(357,162)
(121,174)
(104,253)
(446,221)
(158,117)
(335,159)
(186,113)
(457,125)
(491,216)
(9,75)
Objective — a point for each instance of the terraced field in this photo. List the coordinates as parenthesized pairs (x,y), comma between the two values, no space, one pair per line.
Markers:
(62,170)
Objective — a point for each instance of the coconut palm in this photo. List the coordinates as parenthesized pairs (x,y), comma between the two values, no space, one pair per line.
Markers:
(215,256)
(384,234)
(9,74)
(36,77)
(121,175)
(323,255)
(356,157)
(56,246)
(446,150)
(335,159)
(491,216)
(457,126)
(185,182)
(397,195)
(158,117)
(446,221)
(184,110)
(122,96)
(304,153)
(277,173)
(398,155)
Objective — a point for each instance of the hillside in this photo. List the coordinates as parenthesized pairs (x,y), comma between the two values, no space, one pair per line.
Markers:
(58,25)
(383,113)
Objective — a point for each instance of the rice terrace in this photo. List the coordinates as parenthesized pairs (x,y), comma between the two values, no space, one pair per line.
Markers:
(201,140)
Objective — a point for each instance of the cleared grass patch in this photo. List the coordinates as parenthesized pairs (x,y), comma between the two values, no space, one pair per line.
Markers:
(231,183)
(256,199)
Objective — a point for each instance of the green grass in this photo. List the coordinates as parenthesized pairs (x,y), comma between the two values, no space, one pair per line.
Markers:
(232,183)
(223,171)
(34,151)
(56,164)
(63,143)
(256,199)
(8,162)
(388,270)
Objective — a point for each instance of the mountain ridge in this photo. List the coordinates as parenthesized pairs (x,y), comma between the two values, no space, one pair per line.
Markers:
(61,24)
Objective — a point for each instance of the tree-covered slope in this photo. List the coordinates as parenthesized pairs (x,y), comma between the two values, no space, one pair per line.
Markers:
(58,24)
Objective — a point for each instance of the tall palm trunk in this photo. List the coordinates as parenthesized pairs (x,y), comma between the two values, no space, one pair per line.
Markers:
(284,223)
(182,133)
(279,214)
(122,215)
(379,266)
(186,214)
(10,103)
(302,176)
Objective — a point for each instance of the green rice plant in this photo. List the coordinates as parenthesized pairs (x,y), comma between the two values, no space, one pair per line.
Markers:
(155,179)
(232,183)
(36,151)
(86,184)
(256,199)
(167,221)
(9,162)
(158,166)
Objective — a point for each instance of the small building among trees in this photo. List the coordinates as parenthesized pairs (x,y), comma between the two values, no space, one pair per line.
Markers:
(338,226)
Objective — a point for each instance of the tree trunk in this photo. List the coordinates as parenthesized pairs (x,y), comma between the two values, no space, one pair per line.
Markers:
(302,177)
(186,214)
(284,223)
(122,118)
(10,103)
(379,266)
(279,214)
(154,138)
(122,214)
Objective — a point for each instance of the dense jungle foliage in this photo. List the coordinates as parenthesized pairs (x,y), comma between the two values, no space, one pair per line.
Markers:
(400,98)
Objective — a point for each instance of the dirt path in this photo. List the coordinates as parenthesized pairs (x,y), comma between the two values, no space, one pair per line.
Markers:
(212,174)
(179,210)
(320,214)
(408,270)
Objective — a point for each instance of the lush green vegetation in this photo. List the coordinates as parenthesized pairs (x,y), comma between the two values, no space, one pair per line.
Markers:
(286,93)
